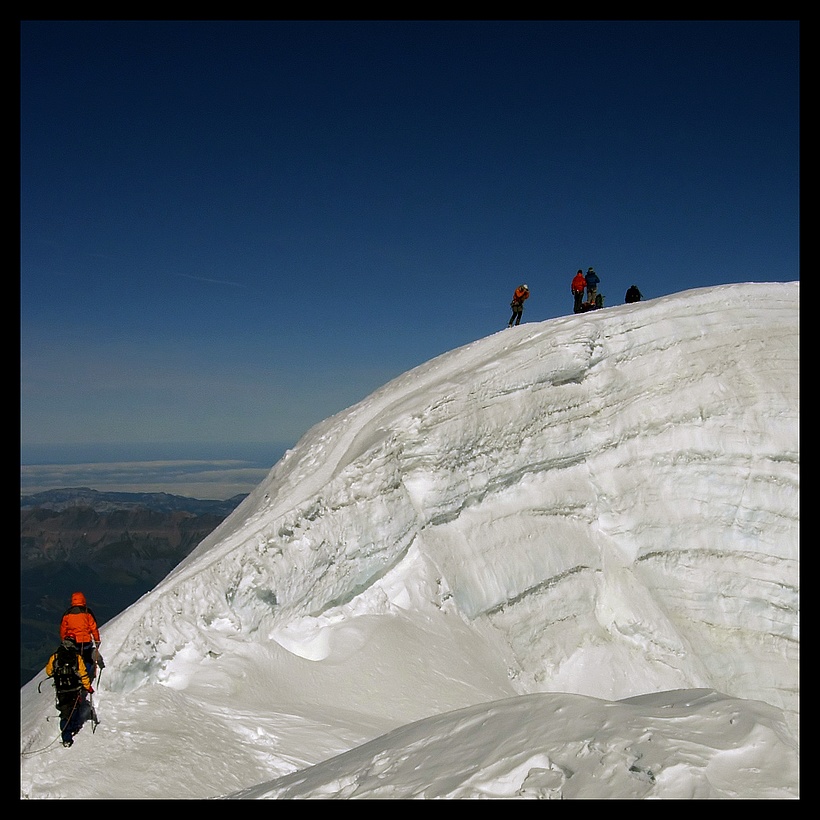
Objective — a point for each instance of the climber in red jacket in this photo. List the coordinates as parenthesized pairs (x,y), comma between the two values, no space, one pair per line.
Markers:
(522,293)
(578,286)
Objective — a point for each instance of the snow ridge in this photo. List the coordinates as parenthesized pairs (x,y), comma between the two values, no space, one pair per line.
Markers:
(604,464)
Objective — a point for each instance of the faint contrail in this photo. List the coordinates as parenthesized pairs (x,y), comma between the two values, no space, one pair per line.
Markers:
(212,281)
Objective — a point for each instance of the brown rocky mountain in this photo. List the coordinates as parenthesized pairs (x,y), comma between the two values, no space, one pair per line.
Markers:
(114,547)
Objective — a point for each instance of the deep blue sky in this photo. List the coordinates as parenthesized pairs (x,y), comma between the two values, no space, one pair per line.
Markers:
(232,230)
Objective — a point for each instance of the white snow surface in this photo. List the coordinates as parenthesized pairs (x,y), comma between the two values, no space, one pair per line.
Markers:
(559,562)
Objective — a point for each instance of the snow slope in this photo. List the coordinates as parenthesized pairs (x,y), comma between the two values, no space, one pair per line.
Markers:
(500,552)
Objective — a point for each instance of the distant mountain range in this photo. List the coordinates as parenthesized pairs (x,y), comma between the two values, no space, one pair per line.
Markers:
(106,501)
(114,547)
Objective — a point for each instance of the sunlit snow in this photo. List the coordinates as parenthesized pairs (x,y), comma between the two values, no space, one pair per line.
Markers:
(559,562)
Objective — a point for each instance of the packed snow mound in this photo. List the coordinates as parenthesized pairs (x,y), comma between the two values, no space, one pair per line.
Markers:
(560,747)
(604,505)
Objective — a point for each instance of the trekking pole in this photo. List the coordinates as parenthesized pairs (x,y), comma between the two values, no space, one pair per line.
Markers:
(94,718)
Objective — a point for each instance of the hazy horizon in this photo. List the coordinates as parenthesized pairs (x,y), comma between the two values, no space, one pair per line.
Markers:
(194,469)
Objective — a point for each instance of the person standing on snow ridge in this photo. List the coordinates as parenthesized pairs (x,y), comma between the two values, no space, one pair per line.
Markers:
(522,293)
(633,295)
(80,625)
(592,281)
(578,287)
(72,687)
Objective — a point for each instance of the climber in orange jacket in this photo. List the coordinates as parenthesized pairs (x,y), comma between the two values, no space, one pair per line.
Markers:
(522,293)
(79,624)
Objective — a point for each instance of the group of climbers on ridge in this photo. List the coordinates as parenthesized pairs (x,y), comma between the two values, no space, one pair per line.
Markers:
(581,284)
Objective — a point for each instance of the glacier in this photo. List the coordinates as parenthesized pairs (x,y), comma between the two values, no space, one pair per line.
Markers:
(601,507)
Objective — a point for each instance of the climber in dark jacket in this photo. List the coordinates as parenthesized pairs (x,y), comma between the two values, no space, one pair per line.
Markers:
(72,686)
(633,295)
(592,281)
